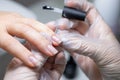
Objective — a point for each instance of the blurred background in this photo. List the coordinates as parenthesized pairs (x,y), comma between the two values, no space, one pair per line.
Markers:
(109,9)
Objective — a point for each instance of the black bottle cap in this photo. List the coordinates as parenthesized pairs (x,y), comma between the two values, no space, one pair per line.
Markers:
(73,13)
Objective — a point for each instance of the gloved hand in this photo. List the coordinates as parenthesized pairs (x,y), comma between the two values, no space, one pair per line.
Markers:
(93,39)
(13,24)
(47,68)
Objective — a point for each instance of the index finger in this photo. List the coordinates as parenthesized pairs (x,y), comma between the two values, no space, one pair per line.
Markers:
(42,28)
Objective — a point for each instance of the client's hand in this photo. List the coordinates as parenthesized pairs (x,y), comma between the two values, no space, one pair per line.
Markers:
(13,24)
(48,68)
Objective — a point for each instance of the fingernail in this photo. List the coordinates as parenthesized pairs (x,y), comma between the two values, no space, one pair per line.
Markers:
(64,24)
(52,49)
(56,39)
(33,60)
(52,25)
(41,60)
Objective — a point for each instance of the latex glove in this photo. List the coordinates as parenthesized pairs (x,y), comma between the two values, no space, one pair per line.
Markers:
(47,68)
(85,63)
(13,24)
(98,42)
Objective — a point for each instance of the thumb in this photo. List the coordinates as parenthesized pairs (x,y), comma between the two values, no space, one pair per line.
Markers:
(85,6)
(97,25)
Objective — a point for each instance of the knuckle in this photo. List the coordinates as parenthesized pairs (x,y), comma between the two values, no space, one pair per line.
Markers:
(21,29)
(2,40)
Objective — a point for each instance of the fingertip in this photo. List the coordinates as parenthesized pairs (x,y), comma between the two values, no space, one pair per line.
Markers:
(30,64)
(64,24)
(55,43)
(56,40)
(51,50)
(51,25)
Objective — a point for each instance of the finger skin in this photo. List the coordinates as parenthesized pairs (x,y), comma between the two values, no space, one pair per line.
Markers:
(15,48)
(39,27)
(31,35)
(13,24)
(36,25)
(55,65)
(51,25)
(18,71)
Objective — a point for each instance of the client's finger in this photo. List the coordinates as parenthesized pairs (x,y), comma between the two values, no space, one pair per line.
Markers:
(15,48)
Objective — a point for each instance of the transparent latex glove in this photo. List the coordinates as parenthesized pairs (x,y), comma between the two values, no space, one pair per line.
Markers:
(13,24)
(93,39)
(47,68)
(85,63)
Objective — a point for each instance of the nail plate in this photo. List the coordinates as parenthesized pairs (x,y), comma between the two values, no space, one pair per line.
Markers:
(56,39)
(33,60)
(52,49)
